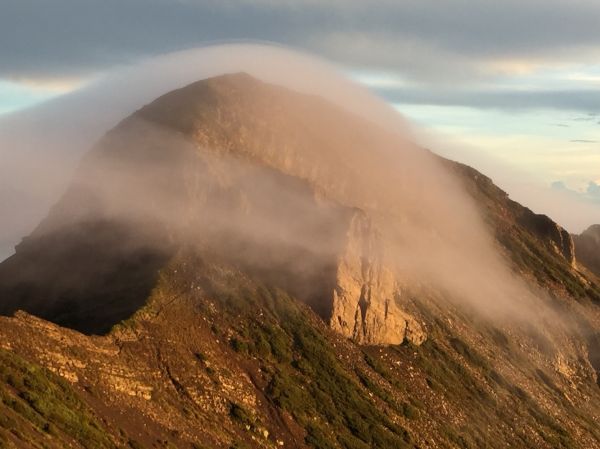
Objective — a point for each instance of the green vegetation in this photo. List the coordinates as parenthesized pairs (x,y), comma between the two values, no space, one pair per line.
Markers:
(48,403)
(306,378)
(461,383)
(409,411)
(240,414)
(198,446)
(354,408)
(531,255)
(238,445)
(471,356)
(200,357)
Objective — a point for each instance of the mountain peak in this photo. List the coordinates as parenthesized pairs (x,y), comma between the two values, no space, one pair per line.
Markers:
(269,270)
(267,178)
(184,108)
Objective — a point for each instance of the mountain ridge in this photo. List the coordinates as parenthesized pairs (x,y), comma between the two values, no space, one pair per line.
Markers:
(317,343)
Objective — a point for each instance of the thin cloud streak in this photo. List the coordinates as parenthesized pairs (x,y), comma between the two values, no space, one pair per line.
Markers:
(577,100)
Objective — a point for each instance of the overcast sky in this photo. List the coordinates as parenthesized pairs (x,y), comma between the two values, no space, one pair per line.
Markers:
(516,79)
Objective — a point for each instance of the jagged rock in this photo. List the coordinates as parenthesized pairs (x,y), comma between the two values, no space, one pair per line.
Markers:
(499,205)
(365,297)
(553,234)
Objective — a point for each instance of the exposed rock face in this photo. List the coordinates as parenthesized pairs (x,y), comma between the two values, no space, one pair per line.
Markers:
(557,237)
(587,248)
(507,212)
(365,298)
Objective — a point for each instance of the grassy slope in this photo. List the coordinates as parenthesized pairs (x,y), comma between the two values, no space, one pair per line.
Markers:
(444,393)
(318,390)
(41,410)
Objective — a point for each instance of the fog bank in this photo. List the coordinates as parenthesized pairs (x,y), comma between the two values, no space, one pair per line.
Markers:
(430,228)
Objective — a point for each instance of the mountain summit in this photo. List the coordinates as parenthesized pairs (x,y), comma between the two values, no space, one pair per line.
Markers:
(240,265)
(232,166)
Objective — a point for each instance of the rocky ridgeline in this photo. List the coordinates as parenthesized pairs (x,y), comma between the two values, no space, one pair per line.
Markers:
(234,180)
(505,212)
(553,234)
(204,342)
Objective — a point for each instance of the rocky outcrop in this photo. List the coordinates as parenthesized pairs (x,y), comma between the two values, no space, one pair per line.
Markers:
(506,212)
(552,234)
(365,304)
(587,248)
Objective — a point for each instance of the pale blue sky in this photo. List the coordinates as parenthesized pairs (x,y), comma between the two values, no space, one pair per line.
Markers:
(15,96)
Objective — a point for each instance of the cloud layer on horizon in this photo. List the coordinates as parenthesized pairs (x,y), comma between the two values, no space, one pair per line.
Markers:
(590,194)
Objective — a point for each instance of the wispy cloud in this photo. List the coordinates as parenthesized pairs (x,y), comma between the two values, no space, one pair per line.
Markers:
(590,194)
(55,84)
(504,98)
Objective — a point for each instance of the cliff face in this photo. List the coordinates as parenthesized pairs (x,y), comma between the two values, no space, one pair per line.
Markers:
(553,234)
(366,300)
